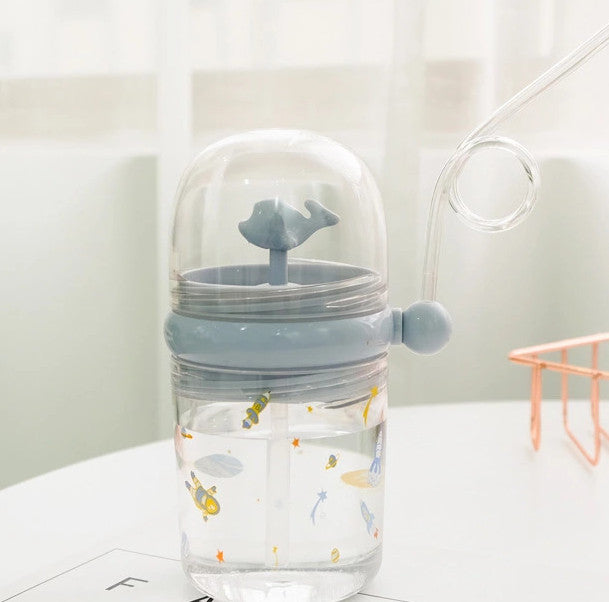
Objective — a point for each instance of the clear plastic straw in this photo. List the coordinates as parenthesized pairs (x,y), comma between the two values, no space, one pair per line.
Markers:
(483,137)
(278,487)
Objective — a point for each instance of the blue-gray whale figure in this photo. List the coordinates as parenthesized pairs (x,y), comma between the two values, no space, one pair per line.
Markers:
(276,225)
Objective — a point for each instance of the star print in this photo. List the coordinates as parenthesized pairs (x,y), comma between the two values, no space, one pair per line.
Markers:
(296,442)
(309,408)
(220,556)
(321,496)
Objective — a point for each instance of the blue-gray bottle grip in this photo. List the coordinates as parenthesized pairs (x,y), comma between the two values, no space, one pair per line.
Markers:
(426,327)
(265,345)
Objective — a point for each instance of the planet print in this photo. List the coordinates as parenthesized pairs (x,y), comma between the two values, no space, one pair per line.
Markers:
(219,465)
(357,478)
(332,461)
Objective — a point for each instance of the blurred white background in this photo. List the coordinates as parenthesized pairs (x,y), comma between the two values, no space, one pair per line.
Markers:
(103,102)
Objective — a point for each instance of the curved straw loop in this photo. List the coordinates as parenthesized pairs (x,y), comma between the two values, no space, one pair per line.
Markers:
(472,219)
(482,138)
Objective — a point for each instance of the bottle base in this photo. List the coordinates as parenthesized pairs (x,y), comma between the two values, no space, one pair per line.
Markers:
(311,583)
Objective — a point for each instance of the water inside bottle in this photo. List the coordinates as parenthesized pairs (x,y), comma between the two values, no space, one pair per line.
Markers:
(285,502)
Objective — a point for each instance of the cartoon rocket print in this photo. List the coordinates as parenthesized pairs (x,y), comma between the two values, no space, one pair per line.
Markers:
(203,498)
(253,413)
(321,496)
(367,516)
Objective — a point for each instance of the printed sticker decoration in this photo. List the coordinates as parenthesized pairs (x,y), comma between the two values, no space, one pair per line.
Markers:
(374,472)
(253,413)
(184,545)
(203,498)
(357,478)
(321,497)
(367,516)
(219,465)
(373,393)
(332,461)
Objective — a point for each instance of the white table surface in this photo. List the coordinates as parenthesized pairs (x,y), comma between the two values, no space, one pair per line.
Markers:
(472,512)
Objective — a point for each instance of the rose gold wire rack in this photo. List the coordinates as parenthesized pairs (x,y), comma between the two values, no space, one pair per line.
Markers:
(530,356)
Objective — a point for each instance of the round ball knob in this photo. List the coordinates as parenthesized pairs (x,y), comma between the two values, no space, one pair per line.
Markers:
(426,327)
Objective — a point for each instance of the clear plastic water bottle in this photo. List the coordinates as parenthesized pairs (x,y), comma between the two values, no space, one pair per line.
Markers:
(279,333)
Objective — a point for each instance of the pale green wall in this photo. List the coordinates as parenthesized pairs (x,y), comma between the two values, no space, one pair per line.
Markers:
(78,319)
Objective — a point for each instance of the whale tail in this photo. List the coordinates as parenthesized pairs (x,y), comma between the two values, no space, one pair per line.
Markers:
(320,216)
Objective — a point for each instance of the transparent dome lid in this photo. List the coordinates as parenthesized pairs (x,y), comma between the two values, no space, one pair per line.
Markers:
(278,224)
